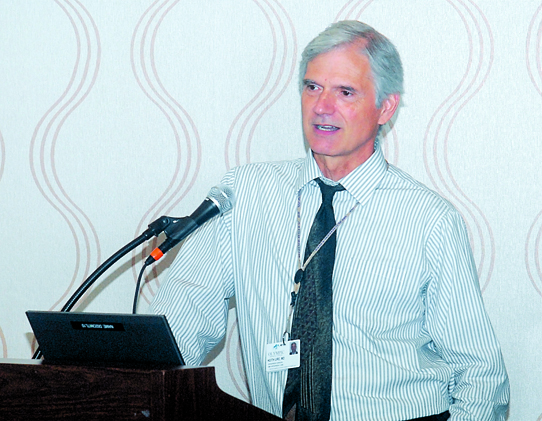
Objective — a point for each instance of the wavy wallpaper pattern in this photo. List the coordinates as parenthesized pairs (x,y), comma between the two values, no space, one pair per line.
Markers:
(160,98)
(533,260)
(44,141)
(187,141)
(437,138)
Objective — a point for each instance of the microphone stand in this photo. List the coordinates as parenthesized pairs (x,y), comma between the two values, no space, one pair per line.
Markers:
(155,228)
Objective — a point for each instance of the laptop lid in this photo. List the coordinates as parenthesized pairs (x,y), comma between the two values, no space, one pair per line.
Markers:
(104,337)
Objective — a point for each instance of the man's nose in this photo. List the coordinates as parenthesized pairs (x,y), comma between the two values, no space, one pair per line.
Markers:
(325,103)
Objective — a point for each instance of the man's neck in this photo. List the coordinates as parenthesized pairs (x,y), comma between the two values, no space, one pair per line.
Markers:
(336,168)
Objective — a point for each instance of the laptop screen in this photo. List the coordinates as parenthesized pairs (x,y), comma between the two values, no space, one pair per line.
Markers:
(104,337)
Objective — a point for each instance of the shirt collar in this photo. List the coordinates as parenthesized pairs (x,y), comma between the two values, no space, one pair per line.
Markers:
(360,183)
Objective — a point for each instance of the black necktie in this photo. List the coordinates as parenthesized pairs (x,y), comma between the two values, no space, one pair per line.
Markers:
(308,388)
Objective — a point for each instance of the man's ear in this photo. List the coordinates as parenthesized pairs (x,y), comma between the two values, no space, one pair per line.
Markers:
(388,108)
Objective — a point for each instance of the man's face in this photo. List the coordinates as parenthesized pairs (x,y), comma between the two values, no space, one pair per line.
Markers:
(340,118)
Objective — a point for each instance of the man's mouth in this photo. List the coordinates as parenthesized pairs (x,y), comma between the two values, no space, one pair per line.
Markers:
(326,127)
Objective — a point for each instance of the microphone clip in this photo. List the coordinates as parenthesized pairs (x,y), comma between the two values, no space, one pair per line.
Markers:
(160,225)
(177,231)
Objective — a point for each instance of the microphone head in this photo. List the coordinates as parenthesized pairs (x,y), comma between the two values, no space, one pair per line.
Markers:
(222,196)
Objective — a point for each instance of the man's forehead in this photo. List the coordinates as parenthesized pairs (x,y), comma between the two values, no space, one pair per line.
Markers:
(338,64)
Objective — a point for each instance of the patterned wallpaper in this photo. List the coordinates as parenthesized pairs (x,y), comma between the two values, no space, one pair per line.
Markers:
(115,112)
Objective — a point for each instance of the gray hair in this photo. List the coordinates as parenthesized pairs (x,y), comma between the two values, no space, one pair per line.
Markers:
(386,67)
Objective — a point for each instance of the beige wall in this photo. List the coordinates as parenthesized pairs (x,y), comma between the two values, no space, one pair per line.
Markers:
(114,112)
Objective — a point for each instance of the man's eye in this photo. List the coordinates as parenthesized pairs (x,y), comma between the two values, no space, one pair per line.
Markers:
(346,93)
(311,87)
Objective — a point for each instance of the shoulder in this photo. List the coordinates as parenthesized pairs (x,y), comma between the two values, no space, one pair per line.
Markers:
(261,177)
(400,181)
(417,202)
(271,168)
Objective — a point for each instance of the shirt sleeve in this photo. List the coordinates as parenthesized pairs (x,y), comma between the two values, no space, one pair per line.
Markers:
(194,298)
(460,328)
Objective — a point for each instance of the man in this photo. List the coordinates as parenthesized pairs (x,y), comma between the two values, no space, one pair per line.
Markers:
(410,338)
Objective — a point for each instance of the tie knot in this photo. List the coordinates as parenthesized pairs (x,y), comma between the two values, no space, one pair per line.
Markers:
(328,191)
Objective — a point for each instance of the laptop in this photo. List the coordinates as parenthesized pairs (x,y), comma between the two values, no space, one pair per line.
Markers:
(104,337)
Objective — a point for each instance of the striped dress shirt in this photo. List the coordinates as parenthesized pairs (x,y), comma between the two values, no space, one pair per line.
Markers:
(411,336)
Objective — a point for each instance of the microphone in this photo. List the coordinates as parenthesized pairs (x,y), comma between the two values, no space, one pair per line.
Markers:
(219,200)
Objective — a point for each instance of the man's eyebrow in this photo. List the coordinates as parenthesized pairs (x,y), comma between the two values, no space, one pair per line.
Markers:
(309,82)
(347,88)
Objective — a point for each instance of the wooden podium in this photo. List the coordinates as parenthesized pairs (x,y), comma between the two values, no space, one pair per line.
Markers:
(36,390)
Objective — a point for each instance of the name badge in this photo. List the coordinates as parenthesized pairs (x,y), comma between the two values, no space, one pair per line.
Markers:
(282,356)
